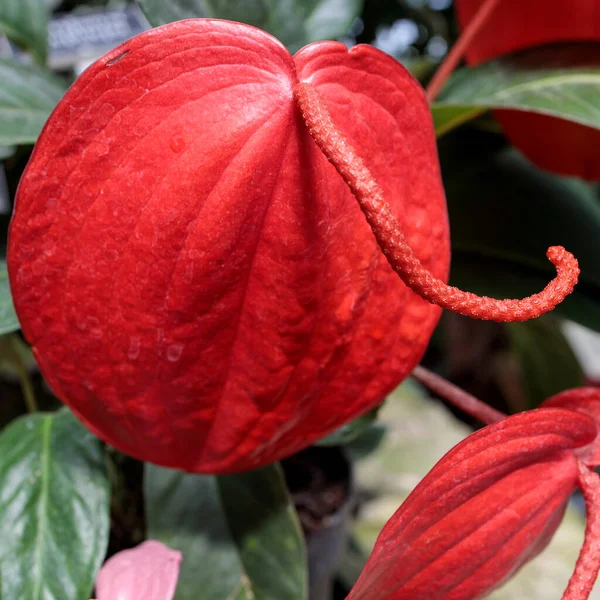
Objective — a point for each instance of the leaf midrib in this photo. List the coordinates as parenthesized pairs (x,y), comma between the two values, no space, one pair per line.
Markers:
(42,512)
(548,82)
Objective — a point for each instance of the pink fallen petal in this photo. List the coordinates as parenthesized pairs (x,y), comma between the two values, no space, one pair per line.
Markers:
(147,572)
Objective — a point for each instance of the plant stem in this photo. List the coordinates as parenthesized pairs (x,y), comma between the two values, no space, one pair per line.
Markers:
(21,368)
(458,50)
(457,397)
(396,249)
(588,563)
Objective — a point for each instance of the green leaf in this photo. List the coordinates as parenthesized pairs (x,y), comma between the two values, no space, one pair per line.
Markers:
(547,361)
(351,431)
(28,95)
(505,213)
(14,356)
(8,317)
(6,152)
(367,443)
(293,22)
(26,23)
(54,508)
(560,80)
(239,534)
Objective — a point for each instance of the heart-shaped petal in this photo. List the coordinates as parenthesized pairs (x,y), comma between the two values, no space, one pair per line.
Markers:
(147,572)
(196,280)
(488,506)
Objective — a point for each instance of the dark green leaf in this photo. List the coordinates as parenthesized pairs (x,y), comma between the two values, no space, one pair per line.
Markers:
(293,22)
(266,531)
(8,317)
(420,67)
(505,213)
(185,512)
(351,431)
(54,508)
(26,23)
(239,534)
(561,81)
(15,356)
(547,362)
(159,12)
(28,95)
(367,442)
(6,152)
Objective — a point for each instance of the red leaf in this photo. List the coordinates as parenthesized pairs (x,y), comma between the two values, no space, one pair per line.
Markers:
(196,280)
(551,143)
(487,507)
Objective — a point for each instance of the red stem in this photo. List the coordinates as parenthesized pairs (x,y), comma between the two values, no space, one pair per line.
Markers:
(457,397)
(399,254)
(458,50)
(587,566)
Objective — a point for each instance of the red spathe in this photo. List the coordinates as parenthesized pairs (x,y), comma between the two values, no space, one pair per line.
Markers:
(553,144)
(487,507)
(196,280)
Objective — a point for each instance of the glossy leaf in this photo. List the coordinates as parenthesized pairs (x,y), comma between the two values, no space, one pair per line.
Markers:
(6,152)
(8,317)
(26,23)
(548,365)
(17,358)
(505,213)
(367,443)
(352,431)
(54,508)
(557,81)
(239,534)
(294,22)
(27,96)
(549,141)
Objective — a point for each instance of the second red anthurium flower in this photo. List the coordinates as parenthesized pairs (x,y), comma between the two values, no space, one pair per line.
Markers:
(490,505)
(509,26)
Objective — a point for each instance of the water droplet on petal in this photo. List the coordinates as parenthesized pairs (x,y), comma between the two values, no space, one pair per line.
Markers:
(177,143)
(134,348)
(174,352)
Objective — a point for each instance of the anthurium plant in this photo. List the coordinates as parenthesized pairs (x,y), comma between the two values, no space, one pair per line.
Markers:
(227,249)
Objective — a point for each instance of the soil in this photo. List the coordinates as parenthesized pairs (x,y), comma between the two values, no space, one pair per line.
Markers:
(319,481)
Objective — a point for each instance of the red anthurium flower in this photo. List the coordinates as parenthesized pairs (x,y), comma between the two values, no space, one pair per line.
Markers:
(511,25)
(196,279)
(514,25)
(490,505)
